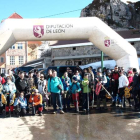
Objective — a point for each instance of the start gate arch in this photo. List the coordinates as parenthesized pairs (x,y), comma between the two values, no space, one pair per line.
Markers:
(92,28)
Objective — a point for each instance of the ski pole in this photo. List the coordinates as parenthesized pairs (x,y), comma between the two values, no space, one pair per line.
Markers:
(33,108)
(77,108)
(87,98)
(9,106)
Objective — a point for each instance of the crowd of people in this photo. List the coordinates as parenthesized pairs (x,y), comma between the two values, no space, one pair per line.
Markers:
(36,91)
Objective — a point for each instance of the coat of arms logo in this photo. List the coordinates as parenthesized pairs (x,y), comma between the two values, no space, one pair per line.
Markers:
(38,30)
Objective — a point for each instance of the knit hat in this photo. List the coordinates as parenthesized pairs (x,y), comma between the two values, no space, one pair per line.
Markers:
(134,70)
(130,72)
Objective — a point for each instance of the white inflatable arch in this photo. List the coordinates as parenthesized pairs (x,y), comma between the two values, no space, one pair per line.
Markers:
(93,29)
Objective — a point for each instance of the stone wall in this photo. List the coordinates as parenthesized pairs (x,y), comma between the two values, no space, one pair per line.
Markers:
(77,62)
(75,51)
(66,56)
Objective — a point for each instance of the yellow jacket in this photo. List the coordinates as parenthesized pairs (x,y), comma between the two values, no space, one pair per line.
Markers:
(3,99)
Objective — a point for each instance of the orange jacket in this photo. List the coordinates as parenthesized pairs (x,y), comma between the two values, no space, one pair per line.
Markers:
(37,99)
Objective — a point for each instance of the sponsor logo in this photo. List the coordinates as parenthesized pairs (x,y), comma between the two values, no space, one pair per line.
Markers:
(107,42)
(38,30)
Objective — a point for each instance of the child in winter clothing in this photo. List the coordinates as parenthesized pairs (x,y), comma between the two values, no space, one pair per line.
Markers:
(75,89)
(22,102)
(66,96)
(86,91)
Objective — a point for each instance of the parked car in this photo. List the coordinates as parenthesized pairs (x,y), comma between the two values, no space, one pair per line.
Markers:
(61,69)
(25,69)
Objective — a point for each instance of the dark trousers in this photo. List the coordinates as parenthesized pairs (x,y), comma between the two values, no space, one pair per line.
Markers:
(57,97)
(50,101)
(101,96)
(8,106)
(66,100)
(1,109)
(115,91)
(39,108)
(23,112)
(135,96)
(85,101)
(27,98)
(121,96)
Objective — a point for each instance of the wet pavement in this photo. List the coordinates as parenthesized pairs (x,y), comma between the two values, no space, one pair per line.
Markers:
(113,124)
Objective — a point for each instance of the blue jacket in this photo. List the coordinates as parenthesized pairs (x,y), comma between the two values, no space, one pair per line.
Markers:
(75,87)
(9,87)
(23,102)
(66,88)
(53,83)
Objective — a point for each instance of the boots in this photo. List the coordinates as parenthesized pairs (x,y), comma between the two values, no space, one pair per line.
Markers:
(104,104)
(98,103)
(113,104)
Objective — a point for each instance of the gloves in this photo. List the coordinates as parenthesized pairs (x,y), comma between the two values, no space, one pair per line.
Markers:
(76,91)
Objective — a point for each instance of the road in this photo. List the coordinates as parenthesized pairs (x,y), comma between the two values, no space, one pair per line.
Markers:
(113,124)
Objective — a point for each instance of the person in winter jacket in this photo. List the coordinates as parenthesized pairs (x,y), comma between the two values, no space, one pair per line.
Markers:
(2,99)
(55,88)
(36,100)
(100,92)
(42,88)
(2,80)
(75,89)
(66,96)
(10,73)
(78,76)
(135,88)
(130,79)
(21,102)
(49,76)
(22,84)
(123,82)
(36,78)
(86,91)
(30,81)
(114,84)
(9,90)
(108,84)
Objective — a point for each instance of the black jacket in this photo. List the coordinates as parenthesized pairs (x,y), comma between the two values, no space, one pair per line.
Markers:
(22,85)
(136,83)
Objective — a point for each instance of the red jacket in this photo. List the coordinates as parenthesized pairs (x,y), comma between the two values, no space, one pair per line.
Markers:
(130,79)
(2,80)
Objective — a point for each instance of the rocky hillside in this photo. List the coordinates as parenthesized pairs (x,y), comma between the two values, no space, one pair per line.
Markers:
(115,13)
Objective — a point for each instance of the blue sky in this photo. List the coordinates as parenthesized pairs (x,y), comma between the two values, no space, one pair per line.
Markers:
(42,8)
